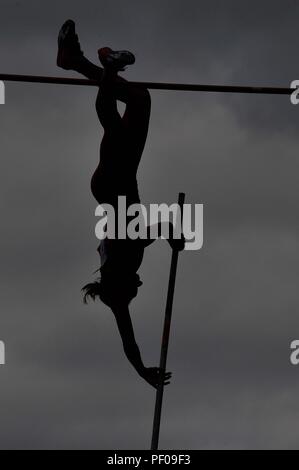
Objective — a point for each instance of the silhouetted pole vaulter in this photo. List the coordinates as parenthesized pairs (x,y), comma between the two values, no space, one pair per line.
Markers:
(124,137)
(153,85)
(165,338)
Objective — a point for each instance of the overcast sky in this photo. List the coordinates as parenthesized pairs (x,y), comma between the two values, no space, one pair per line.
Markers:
(67,383)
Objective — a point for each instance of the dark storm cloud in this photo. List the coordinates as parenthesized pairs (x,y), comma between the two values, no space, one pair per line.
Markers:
(67,384)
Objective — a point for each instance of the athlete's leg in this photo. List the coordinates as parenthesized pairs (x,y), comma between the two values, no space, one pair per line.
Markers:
(136,118)
(106,106)
(112,88)
(137,99)
(135,121)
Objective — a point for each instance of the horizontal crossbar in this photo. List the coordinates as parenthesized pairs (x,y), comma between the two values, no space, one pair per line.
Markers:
(152,85)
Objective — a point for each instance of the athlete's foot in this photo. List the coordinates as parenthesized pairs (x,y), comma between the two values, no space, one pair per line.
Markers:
(69,50)
(115,61)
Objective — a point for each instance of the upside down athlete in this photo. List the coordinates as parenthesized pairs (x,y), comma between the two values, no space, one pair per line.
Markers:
(116,175)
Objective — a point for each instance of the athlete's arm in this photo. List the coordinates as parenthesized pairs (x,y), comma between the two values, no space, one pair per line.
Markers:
(164,227)
(125,327)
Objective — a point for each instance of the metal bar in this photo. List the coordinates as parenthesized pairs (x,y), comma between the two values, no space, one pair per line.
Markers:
(152,85)
(165,340)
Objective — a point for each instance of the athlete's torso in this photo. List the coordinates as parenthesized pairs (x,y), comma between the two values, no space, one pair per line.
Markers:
(121,256)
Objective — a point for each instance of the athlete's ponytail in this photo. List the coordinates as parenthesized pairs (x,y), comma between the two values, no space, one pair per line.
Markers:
(91,291)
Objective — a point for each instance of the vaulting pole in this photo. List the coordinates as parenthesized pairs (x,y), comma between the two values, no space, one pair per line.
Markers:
(165,339)
(153,85)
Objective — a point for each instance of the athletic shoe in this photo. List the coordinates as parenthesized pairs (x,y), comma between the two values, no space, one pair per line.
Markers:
(69,50)
(115,60)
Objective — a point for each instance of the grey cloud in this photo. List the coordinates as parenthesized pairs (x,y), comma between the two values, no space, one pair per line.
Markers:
(237,299)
